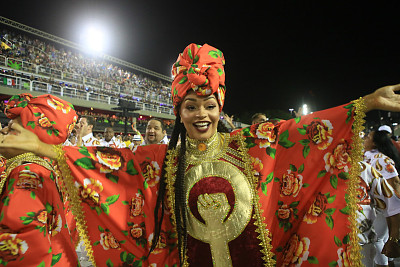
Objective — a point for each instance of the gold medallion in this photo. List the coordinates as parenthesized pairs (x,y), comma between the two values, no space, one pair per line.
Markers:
(218,230)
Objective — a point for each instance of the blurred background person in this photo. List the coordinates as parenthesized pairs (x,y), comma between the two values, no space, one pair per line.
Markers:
(258,118)
(110,140)
(383,156)
(155,132)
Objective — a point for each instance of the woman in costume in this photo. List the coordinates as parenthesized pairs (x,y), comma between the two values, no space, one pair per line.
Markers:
(33,225)
(273,193)
(383,156)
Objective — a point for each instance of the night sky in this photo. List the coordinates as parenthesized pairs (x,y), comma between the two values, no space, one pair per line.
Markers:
(277,55)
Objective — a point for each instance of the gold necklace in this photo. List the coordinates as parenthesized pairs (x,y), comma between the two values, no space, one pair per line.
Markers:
(201,150)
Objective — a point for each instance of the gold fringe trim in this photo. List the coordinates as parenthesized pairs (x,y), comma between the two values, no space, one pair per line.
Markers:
(264,234)
(71,191)
(356,152)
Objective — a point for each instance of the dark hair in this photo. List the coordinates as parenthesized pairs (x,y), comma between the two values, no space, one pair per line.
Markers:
(255,116)
(384,144)
(180,203)
(90,120)
(159,120)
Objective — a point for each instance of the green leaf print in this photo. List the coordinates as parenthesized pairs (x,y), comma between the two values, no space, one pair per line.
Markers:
(269,178)
(183,80)
(85,163)
(337,241)
(346,239)
(190,53)
(105,208)
(306,151)
(32,124)
(213,54)
(42,264)
(113,178)
(109,263)
(130,168)
(55,258)
(271,152)
(130,258)
(301,169)
(321,174)
(343,175)
(330,211)
(301,131)
(331,199)
(112,199)
(137,264)
(313,260)
(83,150)
(196,59)
(334,181)
(264,188)
(123,256)
(329,221)
(345,210)
(284,141)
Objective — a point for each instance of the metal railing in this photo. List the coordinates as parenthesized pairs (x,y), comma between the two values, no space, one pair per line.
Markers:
(74,92)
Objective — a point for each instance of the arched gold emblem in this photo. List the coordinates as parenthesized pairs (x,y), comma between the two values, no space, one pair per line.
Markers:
(218,230)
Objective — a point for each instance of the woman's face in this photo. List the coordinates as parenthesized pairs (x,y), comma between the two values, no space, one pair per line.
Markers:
(368,141)
(200,115)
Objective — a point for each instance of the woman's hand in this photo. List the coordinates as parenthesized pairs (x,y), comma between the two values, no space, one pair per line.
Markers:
(19,138)
(384,98)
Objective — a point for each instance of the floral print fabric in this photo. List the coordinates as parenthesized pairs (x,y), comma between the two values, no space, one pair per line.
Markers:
(33,225)
(49,117)
(302,166)
(200,68)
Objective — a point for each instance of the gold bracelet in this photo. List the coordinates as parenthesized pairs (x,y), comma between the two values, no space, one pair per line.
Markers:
(394,239)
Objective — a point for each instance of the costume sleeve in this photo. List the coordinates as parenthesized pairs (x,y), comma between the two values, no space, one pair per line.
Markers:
(383,194)
(306,185)
(386,167)
(114,193)
(33,231)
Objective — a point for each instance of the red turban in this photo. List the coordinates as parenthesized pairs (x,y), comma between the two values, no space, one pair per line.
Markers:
(49,117)
(200,68)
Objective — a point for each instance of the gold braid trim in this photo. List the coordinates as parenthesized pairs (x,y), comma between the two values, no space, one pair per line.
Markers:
(14,162)
(170,170)
(76,207)
(353,183)
(264,234)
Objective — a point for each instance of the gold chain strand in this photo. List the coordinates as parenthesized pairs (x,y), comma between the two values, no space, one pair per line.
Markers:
(353,183)
(75,201)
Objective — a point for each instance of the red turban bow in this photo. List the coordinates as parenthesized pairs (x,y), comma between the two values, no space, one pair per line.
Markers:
(49,117)
(200,68)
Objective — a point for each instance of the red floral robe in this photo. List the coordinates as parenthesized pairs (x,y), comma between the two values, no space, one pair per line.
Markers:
(33,225)
(302,170)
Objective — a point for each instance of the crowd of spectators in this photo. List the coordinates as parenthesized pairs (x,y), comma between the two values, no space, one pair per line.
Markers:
(90,73)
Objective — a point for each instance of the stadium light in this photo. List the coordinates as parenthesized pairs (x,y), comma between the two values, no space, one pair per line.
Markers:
(305,109)
(93,38)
